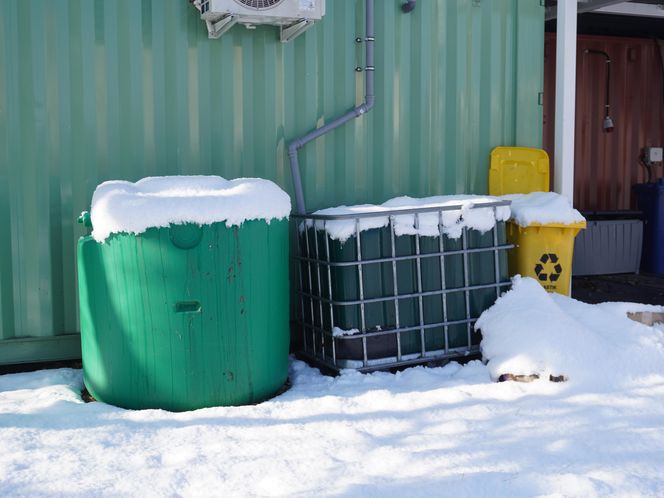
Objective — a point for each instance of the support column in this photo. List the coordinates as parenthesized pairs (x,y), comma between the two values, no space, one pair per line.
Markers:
(565,98)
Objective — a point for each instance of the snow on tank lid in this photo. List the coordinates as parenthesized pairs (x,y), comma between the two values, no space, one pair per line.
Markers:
(543,208)
(121,206)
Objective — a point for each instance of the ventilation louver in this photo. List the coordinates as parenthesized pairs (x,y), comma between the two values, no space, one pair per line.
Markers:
(292,16)
(259,4)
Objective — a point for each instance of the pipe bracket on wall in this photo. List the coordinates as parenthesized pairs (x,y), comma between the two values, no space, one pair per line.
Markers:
(408,6)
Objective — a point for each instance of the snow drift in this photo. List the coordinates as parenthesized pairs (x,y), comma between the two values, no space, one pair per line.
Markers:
(529,331)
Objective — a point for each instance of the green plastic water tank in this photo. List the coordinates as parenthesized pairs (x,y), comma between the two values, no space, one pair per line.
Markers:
(185,317)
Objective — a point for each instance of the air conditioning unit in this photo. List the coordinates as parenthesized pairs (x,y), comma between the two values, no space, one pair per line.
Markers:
(292,16)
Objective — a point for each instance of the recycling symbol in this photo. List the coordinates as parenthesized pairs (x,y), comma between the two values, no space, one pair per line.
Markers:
(548,268)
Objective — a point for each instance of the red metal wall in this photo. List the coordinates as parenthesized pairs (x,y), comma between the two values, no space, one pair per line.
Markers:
(606,164)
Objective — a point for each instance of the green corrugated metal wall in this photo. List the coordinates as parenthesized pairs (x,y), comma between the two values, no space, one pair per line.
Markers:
(98,90)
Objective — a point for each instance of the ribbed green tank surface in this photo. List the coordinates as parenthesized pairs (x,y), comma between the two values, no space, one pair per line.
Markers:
(185,317)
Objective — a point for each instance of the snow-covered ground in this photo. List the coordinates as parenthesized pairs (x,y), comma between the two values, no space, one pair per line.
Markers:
(449,431)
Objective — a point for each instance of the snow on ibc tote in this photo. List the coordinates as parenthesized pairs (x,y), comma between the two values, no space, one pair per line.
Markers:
(184,292)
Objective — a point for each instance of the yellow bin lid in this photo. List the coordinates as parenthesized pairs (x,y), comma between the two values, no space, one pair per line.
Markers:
(518,170)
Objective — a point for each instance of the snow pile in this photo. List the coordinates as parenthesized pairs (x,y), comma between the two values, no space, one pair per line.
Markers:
(465,215)
(120,206)
(541,208)
(529,331)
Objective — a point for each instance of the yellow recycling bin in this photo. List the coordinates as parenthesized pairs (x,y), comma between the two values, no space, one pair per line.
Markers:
(518,170)
(541,251)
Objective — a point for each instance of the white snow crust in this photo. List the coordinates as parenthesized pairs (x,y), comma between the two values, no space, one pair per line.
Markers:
(542,207)
(337,332)
(453,221)
(422,432)
(120,206)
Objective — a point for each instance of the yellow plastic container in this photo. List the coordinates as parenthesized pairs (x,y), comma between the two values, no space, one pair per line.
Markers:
(518,170)
(541,251)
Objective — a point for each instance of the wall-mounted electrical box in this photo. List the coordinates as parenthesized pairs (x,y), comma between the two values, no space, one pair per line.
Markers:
(652,154)
(292,16)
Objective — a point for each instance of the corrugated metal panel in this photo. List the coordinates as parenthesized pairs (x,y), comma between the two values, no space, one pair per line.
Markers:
(98,90)
(607,164)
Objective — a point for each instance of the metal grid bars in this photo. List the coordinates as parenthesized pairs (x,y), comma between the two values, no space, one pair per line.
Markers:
(393,294)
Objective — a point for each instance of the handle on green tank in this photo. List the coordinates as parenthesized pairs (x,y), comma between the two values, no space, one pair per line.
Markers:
(85,220)
(187,307)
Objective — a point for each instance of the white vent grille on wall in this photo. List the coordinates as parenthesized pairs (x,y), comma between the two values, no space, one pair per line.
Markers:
(259,4)
(292,16)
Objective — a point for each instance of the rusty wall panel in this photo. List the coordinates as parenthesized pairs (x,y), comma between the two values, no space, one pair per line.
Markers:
(606,164)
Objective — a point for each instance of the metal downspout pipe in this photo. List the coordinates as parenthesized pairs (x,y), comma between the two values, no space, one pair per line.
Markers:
(355,112)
